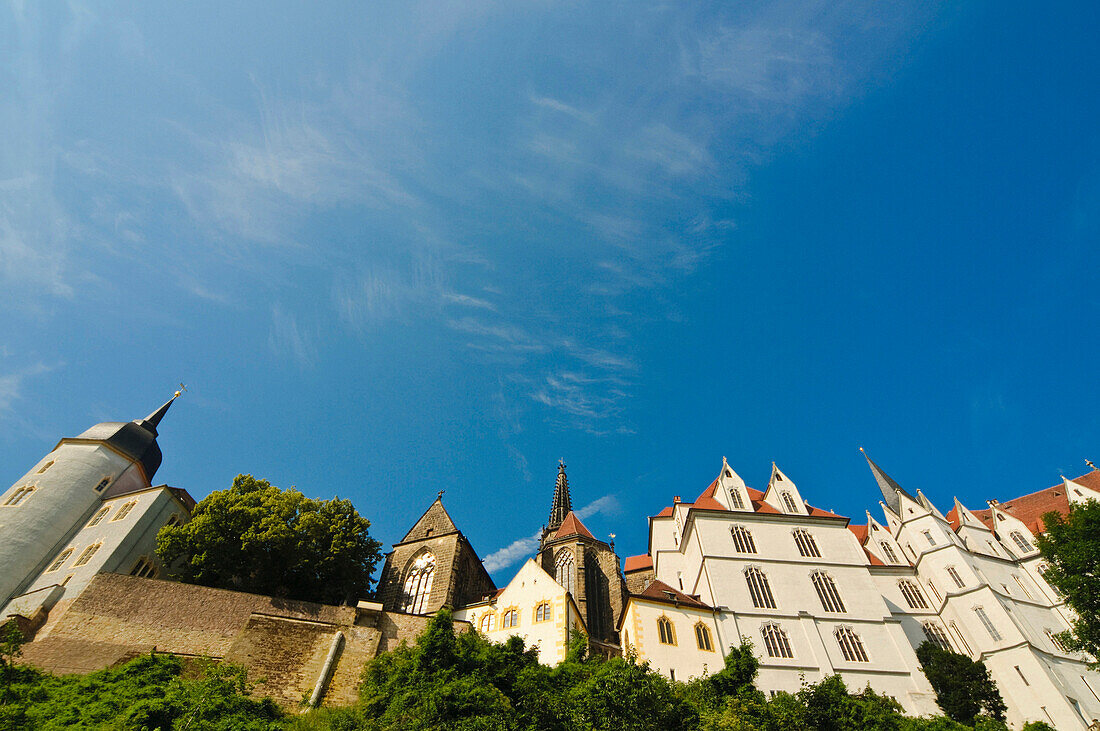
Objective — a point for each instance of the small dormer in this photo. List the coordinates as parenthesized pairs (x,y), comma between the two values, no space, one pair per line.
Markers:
(783,495)
(881,543)
(1013,534)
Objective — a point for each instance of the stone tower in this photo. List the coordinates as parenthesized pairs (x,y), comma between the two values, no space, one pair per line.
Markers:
(58,495)
(432,567)
(587,567)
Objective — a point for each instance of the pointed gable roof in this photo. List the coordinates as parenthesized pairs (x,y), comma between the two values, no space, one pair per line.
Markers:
(887,485)
(572,526)
(434,522)
(706,500)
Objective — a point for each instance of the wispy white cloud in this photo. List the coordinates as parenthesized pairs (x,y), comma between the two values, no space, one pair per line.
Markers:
(12,384)
(522,548)
(287,339)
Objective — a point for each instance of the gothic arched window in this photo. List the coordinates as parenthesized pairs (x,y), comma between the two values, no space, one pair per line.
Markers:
(418,584)
(100,515)
(702,637)
(826,592)
(807,546)
(850,644)
(776,641)
(759,589)
(61,560)
(888,552)
(788,502)
(1021,542)
(664,631)
(742,539)
(912,594)
(565,571)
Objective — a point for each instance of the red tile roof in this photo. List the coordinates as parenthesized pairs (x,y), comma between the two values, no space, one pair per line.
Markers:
(572,526)
(637,563)
(860,531)
(666,513)
(662,592)
(1029,509)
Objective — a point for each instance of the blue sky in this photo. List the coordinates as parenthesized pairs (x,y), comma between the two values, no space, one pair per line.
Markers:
(405,247)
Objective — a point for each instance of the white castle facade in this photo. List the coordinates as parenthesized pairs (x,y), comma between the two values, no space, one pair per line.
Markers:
(813,593)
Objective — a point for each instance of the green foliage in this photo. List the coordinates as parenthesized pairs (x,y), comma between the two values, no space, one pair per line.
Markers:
(964,688)
(1037,726)
(11,647)
(149,692)
(1071,546)
(258,538)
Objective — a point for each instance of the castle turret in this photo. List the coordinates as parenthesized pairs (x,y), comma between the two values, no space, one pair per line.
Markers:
(48,504)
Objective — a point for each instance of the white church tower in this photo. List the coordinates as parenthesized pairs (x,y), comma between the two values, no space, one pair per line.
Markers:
(45,507)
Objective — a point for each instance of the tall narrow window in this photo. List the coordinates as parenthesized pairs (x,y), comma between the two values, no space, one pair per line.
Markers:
(18,495)
(935,591)
(912,594)
(86,555)
(827,592)
(959,634)
(788,502)
(702,637)
(565,572)
(935,634)
(888,552)
(735,499)
(807,546)
(955,577)
(60,560)
(124,511)
(664,631)
(759,589)
(928,537)
(1021,542)
(1055,641)
(173,520)
(987,623)
(46,467)
(100,515)
(851,646)
(1023,587)
(510,619)
(1043,569)
(776,641)
(418,584)
(742,540)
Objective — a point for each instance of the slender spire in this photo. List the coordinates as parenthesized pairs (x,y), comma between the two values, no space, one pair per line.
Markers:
(562,504)
(886,484)
(152,421)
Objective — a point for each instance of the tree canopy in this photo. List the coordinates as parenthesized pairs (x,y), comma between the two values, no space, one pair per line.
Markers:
(259,538)
(1071,546)
(964,688)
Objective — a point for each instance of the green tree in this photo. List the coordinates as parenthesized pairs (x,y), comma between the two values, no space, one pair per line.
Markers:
(964,688)
(11,647)
(1071,545)
(258,538)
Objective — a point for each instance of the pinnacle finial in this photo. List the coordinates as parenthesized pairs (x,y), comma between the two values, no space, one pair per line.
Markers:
(1090,464)
(562,504)
(440,496)
(561,465)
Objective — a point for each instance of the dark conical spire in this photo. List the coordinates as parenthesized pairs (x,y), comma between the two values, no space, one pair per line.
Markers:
(562,504)
(152,421)
(887,485)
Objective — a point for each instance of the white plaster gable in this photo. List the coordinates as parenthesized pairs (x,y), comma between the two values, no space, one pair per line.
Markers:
(1078,493)
(893,520)
(911,509)
(1007,524)
(967,519)
(877,535)
(930,506)
(730,485)
(780,485)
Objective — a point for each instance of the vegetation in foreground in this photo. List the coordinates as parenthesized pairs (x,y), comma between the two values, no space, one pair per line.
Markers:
(462,681)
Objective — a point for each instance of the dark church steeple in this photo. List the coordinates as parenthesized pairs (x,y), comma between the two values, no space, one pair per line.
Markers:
(562,503)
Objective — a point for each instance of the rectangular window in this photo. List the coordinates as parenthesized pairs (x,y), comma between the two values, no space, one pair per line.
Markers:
(1021,674)
(928,535)
(988,624)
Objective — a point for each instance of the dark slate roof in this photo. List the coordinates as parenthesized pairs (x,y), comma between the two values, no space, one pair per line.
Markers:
(562,504)
(136,439)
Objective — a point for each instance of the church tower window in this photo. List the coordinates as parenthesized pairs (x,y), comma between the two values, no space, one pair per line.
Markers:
(46,467)
(851,646)
(759,589)
(665,634)
(742,539)
(124,511)
(60,560)
(18,495)
(87,554)
(807,546)
(702,637)
(565,570)
(827,592)
(776,641)
(418,585)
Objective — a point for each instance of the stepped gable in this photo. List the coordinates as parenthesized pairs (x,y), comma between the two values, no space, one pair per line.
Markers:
(572,526)
(661,592)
